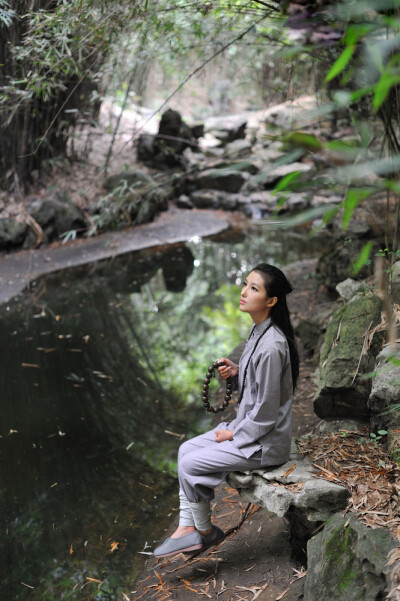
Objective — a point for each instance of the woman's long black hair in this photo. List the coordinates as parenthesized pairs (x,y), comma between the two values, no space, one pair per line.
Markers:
(276,284)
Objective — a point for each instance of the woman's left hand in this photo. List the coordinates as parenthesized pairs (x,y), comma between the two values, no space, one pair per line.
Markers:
(222,435)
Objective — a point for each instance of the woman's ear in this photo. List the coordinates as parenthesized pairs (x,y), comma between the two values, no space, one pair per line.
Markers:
(271,302)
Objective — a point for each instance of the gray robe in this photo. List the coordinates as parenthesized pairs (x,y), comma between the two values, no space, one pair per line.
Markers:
(264,417)
(261,429)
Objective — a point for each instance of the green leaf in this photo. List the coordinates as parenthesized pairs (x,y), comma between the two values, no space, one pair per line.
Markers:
(340,63)
(382,89)
(283,183)
(353,198)
(355,32)
(362,258)
(303,217)
(303,140)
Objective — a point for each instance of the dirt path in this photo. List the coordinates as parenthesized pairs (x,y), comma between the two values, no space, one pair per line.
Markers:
(254,560)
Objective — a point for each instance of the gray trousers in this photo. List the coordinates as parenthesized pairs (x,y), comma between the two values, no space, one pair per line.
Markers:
(204,463)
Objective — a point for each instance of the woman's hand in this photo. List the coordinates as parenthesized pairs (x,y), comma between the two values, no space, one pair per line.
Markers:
(228,370)
(222,435)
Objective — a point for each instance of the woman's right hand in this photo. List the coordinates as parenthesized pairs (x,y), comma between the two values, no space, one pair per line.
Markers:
(228,370)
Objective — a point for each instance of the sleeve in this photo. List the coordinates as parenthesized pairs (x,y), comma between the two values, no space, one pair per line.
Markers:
(263,416)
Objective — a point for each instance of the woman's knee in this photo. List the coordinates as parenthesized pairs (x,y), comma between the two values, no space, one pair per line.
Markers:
(184,449)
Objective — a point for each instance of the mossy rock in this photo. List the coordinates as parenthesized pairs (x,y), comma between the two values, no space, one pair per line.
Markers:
(342,393)
(384,400)
(12,233)
(348,561)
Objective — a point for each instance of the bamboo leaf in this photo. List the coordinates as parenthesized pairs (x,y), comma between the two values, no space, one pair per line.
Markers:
(283,183)
(340,63)
(362,258)
(353,198)
(382,89)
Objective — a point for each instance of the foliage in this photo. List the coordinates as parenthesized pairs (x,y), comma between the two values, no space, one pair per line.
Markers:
(50,59)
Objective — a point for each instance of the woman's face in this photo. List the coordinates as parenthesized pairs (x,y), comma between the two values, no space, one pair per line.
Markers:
(254,298)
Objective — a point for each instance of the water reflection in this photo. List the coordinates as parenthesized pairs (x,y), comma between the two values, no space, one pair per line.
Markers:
(96,368)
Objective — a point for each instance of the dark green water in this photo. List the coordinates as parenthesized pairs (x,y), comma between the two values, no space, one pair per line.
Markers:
(97,370)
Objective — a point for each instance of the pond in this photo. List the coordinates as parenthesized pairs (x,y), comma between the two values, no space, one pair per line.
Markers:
(101,379)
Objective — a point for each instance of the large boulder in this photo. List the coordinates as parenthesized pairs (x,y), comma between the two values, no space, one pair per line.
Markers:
(368,223)
(276,490)
(348,561)
(396,282)
(173,137)
(292,491)
(384,400)
(170,142)
(57,216)
(227,180)
(12,233)
(133,198)
(336,265)
(345,356)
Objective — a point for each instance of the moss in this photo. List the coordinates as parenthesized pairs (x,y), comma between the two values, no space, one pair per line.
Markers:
(341,558)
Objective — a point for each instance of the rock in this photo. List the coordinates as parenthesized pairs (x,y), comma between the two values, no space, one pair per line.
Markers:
(265,198)
(173,137)
(197,130)
(270,176)
(12,233)
(332,426)
(227,129)
(395,289)
(170,142)
(349,288)
(57,216)
(309,331)
(237,149)
(296,591)
(314,501)
(341,391)
(145,148)
(335,265)
(296,201)
(348,561)
(385,392)
(130,178)
(184,202)
(205,199)
(227,180)
(214,199)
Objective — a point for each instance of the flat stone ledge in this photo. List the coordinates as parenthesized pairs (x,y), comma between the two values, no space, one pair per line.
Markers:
(18,269)
(314,498)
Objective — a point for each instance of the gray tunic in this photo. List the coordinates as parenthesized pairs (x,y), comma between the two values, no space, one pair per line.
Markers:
(264,417)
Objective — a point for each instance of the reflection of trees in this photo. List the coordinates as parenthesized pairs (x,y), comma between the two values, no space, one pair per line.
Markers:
(65,473)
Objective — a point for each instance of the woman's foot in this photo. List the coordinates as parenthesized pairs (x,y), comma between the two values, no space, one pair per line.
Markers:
(183,531)
(186,543)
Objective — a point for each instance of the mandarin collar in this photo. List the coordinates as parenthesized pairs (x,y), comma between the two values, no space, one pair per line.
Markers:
(259,328)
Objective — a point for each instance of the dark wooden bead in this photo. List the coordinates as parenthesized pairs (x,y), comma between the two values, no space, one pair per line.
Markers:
(206,381)
(205,387)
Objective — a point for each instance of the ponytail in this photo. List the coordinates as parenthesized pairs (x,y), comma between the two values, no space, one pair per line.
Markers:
(276,284)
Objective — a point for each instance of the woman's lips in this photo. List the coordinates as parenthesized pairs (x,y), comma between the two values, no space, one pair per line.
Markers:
(242,302)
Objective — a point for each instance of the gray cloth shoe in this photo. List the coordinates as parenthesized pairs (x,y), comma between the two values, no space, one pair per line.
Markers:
(213,538)
(185,544)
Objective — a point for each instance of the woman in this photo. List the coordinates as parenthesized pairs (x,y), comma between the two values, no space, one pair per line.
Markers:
(260,434)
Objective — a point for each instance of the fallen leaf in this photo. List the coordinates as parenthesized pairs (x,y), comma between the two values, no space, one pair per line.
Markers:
(289,471)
